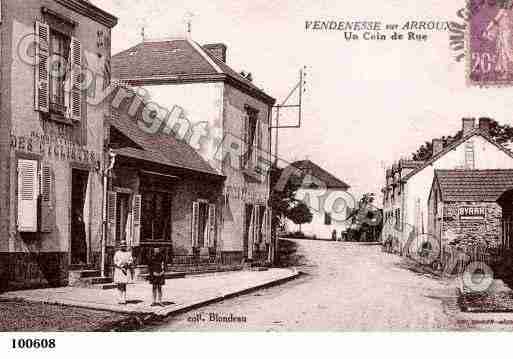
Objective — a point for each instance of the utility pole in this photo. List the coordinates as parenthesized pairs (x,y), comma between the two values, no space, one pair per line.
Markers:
(300,86)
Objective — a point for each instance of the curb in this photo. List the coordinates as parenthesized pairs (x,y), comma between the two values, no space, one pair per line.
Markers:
(162,314)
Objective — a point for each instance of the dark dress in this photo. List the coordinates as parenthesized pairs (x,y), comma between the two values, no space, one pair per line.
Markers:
(157,267)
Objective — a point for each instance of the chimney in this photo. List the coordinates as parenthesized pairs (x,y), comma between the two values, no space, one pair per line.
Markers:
(468,125)
(485,124)
(438,146)
(218,50)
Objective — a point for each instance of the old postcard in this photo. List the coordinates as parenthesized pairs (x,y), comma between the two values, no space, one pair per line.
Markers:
(255,166)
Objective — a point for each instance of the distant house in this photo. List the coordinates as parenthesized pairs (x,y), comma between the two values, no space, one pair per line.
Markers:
(316,185)
(406,193)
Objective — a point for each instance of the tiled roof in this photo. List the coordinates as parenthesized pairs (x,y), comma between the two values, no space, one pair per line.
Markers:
(475,132)
(307,167)
(474,185)
(179,60)
(159,148)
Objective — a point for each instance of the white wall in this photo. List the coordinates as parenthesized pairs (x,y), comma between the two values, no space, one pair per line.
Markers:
(486,156)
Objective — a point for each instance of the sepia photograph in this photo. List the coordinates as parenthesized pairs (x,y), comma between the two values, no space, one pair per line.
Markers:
(261,166)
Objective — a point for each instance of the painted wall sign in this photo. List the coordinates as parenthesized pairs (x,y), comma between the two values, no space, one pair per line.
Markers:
(55,147)
(472,213)
(245,194)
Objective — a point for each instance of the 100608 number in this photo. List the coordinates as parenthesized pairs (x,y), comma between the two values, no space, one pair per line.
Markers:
(33,343)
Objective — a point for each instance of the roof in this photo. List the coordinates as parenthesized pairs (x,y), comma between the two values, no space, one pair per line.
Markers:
(159,148)
(177,60)
(473,185)
(307,167)
(475,132)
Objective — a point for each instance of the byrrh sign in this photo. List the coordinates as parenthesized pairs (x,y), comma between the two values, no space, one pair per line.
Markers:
(472,212)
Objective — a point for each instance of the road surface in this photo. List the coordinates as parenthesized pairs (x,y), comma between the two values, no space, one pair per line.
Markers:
(347,286)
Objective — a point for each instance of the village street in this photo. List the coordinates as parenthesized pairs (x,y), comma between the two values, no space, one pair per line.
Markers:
(347,286)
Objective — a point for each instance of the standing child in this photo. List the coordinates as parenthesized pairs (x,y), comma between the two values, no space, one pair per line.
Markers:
(123,262)
(157,270)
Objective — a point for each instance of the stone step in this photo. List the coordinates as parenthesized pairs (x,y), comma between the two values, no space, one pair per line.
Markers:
(90,273)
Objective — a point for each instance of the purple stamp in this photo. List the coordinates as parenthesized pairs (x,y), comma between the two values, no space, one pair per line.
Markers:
(490,44)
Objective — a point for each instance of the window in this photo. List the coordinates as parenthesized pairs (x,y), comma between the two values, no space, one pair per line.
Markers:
(327,219)
(59,54)
(155,217)
(469,155)
(251,136)
(204,221)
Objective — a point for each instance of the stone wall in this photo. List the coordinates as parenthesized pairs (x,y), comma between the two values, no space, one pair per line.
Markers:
(471,232)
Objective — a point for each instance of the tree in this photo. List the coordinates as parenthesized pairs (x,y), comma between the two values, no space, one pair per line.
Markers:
(300,214)
(502,134)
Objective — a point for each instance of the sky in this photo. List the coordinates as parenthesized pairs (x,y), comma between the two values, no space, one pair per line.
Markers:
(367,103)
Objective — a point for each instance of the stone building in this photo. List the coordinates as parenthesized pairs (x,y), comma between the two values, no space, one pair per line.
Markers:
(51,138)
(196,97)
(464,209)
(406,192)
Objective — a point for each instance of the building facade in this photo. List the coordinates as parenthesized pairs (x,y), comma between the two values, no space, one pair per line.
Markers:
(198,99)
(51,138)
(316,186)
(474,150)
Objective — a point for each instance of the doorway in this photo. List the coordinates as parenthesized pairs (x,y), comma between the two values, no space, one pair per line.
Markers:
(79,246)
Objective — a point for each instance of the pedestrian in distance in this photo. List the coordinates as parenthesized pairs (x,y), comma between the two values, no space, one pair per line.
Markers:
(123,263)
(157,271)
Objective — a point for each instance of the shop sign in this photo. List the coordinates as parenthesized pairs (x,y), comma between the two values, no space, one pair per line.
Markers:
(55,147)
(244,194)
(472,213)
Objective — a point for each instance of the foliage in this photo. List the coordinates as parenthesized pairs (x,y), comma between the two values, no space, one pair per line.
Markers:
(502,134)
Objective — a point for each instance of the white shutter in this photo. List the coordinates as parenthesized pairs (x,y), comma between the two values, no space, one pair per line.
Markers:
(112,198)
(75,103)
(195,224)
(258,145)
(42,69)
(27,195)
(47,210)
(136,218)
(265,226)
(211,225)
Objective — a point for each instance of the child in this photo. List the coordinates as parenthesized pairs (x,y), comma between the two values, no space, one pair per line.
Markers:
(157,269)
(123,261)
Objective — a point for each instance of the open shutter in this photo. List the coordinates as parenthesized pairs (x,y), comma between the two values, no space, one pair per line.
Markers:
(258,145)
(47,209)
(42,69)
(251,234)
(112,198)
(245,140)
(27,195)
(265,226)
(136,218)
(195,225)
(211,225)
(75,103)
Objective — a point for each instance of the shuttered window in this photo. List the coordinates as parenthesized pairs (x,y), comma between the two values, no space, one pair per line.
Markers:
(42,72)
(112,198)
(136,217)
(211,225)
(47,208)
(75,104)
(195,225)
(27,195)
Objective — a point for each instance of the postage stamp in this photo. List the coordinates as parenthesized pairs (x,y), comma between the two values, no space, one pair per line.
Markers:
(490,45)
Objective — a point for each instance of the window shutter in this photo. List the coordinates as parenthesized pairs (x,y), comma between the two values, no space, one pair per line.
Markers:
(75,103)
(42,70)
(112,198)
(251,235)
(27,195)
(245,140)
(211,225)
(47,209)
(195,224)
(136,217)
(258,144)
